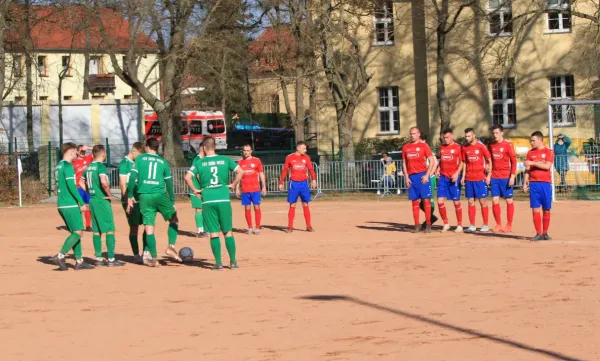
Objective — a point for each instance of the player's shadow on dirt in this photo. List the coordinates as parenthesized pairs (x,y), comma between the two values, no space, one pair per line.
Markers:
(276,228)
(62,228)
(48,260)
(199,262)
(187,233)
(403,227)
(448,326)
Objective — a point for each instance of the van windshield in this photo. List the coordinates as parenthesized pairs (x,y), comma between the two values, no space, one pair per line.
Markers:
(216,126)
(154,128)
(196,127)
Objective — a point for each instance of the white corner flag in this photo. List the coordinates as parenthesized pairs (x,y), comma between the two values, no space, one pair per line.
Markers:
(19,171)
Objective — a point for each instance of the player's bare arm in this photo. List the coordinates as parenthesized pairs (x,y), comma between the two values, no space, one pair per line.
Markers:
(83,184)
(488,168)
(239,173)
(123,186)
(526,181)
(188,180)
(105,186)
(264,183)
(463,166)
(458,171)
(430,170)
(284,174)
(405,171)
(238,194)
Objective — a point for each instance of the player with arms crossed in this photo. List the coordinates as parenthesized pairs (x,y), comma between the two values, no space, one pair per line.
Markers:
(196,200)
(504,170)
(449,174)
(212,172)
(80,163)
(251,189)
(95,182)
(417,174)
(134,218)
(476,160)
(538,182)
(298,163)
(70,205)
(151,174)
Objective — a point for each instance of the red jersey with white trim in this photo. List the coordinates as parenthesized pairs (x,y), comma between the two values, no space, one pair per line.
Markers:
(298,166)
(451,157)
(544,155)
(80,164)
(252,167)
(415,157)
(504,159)
(475,157)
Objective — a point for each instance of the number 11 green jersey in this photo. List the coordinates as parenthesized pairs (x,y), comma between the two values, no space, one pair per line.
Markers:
(150,173)
(92,175)
(212,173)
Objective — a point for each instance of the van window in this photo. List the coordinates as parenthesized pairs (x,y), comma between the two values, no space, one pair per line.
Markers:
(196,127)
(216,126)
(154,128)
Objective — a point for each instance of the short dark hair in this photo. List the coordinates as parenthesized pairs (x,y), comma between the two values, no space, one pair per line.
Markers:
(447,130)
(417,128)
(153,144)
(469,130)
(97,150)
(139,146)
(498,126)
(300,143)
(384,153)
(79,147)
(66,147)
(538,134)
(209,143)
(247,145)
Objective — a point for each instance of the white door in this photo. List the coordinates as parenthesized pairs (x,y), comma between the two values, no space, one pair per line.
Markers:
(94,66)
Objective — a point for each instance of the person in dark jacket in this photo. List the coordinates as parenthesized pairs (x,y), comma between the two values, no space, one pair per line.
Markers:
(561,162)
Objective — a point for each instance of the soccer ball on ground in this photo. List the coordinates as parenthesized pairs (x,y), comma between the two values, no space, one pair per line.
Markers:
(186,254)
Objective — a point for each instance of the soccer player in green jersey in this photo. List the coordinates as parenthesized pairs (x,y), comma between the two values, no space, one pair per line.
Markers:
(212,173)
(196,200)
(70,205)
(134,219)
(151,174)
(95,181)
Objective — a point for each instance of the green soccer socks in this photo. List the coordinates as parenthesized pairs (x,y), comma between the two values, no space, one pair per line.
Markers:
(172,233)
(152,245)
(199,221)
(70,243)
(97,245)
(110,246)
(230,245)
(215,245)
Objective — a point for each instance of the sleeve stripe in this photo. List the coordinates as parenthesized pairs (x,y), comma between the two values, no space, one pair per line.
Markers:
(123,175)
(134,170)
(189,171)
(104,174)
(70,178)
(169,177)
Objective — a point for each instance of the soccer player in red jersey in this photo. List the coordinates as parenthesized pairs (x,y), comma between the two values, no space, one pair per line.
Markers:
(449,177)
(538,182)
(416,172)
(477,162)
(251,189)
(80,164)
(504,170)
(298,163)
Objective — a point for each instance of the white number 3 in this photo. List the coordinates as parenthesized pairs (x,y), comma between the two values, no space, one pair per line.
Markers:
(215,178)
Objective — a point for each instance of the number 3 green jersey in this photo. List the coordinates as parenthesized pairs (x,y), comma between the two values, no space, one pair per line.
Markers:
(212,173)
(92,175)
(150,174)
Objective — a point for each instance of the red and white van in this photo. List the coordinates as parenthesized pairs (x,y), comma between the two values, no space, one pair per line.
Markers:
(195,125)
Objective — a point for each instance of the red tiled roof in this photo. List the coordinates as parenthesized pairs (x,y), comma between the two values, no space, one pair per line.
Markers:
(267,49)
(56,28)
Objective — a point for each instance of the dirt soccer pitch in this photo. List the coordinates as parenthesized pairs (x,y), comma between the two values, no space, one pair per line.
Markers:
(361,288)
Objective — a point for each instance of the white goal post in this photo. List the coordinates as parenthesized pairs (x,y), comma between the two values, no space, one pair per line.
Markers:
(567,103)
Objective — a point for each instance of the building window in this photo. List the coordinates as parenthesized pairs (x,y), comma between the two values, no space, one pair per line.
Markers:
(42,65)
(127,96)
(19,99)
(384,22)
(97,96)
(500,15)
(95,65)
(17,66)
(43,97)
(66,66)
(563,88)
(274,103)
(389,113)
(559,15)
(504,107)
(67,97)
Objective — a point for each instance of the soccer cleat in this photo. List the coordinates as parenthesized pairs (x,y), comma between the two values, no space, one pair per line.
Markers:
(257,231)
(471,229)
(146,257)
(484,229)
(446,228)
(427,229)
(547,237)
(289,230)
(538,237)
(201,233)
(60,262)
(172,252)
(498,229)
(234,266)
(417,229)
(250,231)
(458,229)
(508,228)
(310,229)
(137,259)
(217,267)
(83,266)
(100,262)
(152,262)
(114,263)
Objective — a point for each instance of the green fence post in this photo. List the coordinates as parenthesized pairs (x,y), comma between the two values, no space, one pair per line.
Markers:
(16,149)
(9,148)
(49,169)
(341,163)
(107,152)
(332,150)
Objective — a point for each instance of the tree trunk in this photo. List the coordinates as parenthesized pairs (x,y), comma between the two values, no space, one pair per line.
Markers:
(60,111)
(86,53)
(345,117)
(28,76)
(299,124)
(222,85)
(312,111)
(441,69)
(3,10)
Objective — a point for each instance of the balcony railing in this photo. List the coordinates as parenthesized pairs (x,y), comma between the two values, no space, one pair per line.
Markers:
(101,82)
